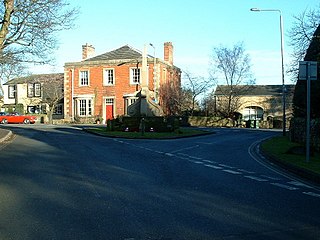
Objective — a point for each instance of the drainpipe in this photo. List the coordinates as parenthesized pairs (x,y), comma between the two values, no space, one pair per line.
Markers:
(72,91)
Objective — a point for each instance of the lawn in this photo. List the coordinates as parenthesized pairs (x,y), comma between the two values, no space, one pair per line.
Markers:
(183,132)
(279,147)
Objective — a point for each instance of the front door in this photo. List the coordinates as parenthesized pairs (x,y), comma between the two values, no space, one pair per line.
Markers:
(109,108)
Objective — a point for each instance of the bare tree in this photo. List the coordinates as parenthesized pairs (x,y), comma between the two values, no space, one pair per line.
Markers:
(28,27)
(171,99)
(301,35)
(194,87)
(10,70)
(52,86)
(234,69)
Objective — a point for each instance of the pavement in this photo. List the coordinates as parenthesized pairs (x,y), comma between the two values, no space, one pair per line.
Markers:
(4,134)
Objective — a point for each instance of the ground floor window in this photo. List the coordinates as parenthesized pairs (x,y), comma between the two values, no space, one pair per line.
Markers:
(34,109)
(252,113)
(127,102)
(85,107)
(58,110)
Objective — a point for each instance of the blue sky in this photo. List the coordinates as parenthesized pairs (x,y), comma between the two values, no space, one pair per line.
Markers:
(194,28)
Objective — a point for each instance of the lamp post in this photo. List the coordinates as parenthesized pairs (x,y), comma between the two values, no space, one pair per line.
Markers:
(282,66)
(155,83)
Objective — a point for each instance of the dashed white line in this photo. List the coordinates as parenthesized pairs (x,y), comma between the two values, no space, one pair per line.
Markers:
(299,184)
(169,154)
(232,172)
(208,161)
(312,194)
(187,148)
(272,178)
(197,158)
(245,171)
(197,162)
(256,178)
(212,166)
(284,186)
(226,166)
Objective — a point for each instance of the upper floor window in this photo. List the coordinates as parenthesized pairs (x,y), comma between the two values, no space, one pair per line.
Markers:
(108,77)
(84,78)
(12,91)
(135,74)
(37,90)
(34,90)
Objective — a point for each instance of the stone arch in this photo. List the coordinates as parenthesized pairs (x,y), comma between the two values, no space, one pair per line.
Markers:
(252,112)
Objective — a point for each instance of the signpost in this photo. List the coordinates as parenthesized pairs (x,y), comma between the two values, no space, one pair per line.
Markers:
(308,71)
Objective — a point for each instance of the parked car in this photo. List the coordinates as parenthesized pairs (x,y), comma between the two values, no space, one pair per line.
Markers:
(16,118)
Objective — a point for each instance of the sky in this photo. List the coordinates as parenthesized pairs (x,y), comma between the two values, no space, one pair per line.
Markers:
(194,28)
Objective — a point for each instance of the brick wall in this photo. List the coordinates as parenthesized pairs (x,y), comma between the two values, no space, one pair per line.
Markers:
(121,87)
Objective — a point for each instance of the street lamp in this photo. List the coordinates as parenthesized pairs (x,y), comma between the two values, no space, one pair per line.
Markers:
(282,66)
(155,83)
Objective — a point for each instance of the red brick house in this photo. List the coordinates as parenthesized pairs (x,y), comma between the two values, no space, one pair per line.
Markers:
(103,86)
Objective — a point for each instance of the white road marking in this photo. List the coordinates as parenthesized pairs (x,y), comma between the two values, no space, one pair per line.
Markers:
(197,162)
(300,184)
(212,166)
(192,157)
(208,161)
(187,148)
(284,186)
(312,194)
(256,178)
(245,171)
(272,178)
(183,154)
(207,143)
(226,166)
(232,172)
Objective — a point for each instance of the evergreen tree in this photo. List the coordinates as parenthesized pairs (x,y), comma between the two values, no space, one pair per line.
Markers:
(300,95)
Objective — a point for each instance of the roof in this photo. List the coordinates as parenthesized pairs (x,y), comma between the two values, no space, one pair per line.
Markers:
(254,90)
(124,52)
(35,78)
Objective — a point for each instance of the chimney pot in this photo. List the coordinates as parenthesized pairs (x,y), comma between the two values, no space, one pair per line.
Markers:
(87,51)
(168,53)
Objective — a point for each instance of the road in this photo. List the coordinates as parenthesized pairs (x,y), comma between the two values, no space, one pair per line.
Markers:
(58,182)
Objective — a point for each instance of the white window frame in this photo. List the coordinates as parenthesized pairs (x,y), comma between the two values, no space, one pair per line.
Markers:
(30,91)
(58,109)
(128,102)
(107,81)
(132,76)
(37,89)
(84,80)
(85,107)
(34,90)
(12,89)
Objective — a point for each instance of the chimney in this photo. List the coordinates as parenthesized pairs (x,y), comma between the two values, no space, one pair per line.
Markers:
(87,51)
(168,53)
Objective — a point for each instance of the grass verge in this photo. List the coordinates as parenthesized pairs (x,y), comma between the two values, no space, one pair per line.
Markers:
(278,147)
(183,132)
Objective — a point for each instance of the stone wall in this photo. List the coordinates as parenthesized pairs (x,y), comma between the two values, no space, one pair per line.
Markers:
(224,122)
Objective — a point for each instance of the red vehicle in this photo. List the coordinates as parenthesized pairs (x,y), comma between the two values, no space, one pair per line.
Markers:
(16,118)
